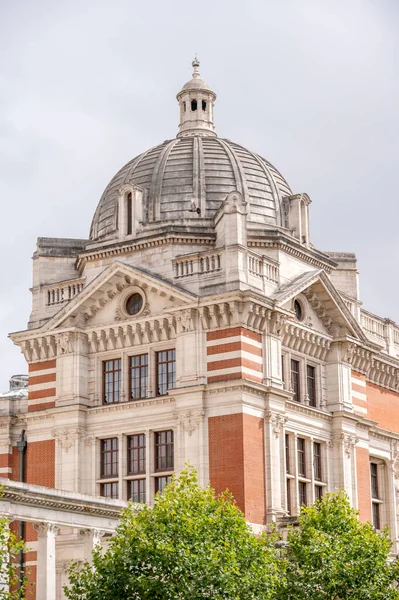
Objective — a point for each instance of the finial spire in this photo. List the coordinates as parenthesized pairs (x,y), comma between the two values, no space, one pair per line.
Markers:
(196,100)
(196,64)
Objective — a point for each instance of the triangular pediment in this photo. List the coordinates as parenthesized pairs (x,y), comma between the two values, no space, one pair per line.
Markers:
(102,300)
(323,307)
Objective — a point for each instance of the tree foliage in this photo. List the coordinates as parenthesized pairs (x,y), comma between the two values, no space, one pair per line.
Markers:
(10,548)
(334,556)
(189,545)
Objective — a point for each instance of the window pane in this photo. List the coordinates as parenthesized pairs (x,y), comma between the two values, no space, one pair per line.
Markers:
(109,457)
(110,490)
(136,490)
(161,483)
(136,453)
(318,492)
(376,515)
(289,496)
(111,380)
(287,454)
(311,385)
(166,371)
(301,457)
(295,383)
(374,480)
(302,493)
(164,450)
(138,376)
(317,461)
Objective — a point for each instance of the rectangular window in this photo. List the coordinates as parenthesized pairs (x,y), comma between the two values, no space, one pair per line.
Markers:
(110,490)
(164,452)
(302,493)
(111,380)
(295,382)
(282,368)
(136,490)
(317,461)
(376,515)
(311,384)
(136,454)
(374,480)
(166,371)
(109,458)
(161,483)
(287,453)
(318,492)
(301,457)
(138,368)
(289,496)
(129,213)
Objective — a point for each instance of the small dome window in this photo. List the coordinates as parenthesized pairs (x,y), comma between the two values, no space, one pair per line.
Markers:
(184,106)
(193,105)
(134,304)
(298,310)
(204,105)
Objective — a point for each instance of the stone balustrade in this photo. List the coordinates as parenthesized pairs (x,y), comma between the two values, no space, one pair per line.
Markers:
(263,267)
(197,264)
(382,331)
(63,292)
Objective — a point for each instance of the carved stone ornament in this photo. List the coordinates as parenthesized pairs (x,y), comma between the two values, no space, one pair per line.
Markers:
(189,420)
(348,441)
(45,529)
(67,437)
(277,422)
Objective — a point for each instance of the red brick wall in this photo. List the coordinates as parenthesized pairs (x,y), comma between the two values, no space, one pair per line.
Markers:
(226,455)
(40,463)
(236,461)
(254,464)
(363,483)
(383,406)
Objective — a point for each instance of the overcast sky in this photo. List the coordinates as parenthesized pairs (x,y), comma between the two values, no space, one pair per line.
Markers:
(86,85)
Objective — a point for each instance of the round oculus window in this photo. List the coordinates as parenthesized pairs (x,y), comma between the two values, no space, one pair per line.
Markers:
(134,304)
(298,310)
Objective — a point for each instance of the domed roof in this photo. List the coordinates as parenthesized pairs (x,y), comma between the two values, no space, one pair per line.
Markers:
(197,170)
(204,169)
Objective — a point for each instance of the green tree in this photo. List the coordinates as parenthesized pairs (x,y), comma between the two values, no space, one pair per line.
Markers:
(334,556)
(10,549)
(191,544)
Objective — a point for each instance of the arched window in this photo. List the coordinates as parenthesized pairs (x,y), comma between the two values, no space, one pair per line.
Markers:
(129,213)
(204,105)
(193,105)
(184,106)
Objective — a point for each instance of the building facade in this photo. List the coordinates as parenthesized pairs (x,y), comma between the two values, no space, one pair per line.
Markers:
(198,324)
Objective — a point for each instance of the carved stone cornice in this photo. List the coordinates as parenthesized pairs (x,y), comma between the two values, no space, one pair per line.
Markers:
(134,405)
(311,411)
(306,342)
(44,497)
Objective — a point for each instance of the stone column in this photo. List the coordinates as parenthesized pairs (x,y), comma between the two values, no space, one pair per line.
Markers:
(4,575)
(274,428)
(91,539)
(46,573)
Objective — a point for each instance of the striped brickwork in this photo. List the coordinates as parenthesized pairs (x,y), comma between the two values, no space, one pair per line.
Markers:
(234,353)
(359,395)
(42,385)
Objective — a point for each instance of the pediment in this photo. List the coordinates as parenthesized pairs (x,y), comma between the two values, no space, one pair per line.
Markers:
(102,302)
(323,307)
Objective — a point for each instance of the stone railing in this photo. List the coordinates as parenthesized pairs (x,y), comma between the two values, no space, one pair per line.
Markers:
(263,267)
(63,292)
(373,326)
(197,264)
(382,331)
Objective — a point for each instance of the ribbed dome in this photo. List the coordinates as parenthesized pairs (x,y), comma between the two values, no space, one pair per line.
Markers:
(205,169)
